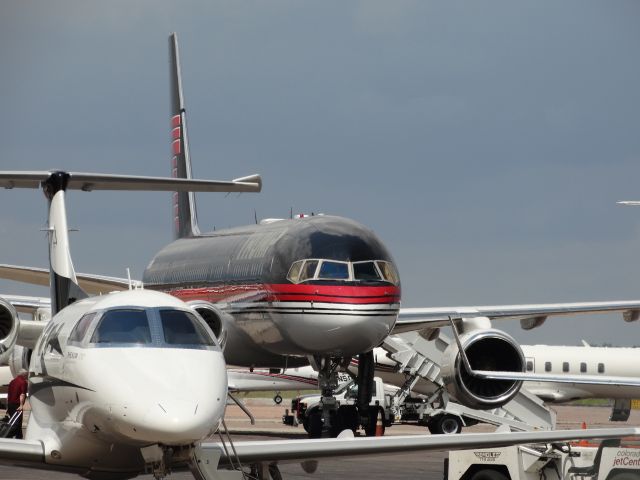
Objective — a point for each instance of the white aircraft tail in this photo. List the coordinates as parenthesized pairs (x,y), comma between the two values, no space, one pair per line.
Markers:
(62,276)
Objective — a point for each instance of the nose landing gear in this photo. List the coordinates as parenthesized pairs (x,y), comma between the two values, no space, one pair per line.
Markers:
(331,419)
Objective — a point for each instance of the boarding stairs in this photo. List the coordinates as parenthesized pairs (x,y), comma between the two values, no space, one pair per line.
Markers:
(419,359)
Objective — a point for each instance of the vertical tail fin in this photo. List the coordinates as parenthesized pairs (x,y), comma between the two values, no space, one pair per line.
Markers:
(62,276)
(185,219)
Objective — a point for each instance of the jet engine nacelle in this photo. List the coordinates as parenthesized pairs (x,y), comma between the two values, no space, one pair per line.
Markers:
(486,349)
(9,327)
(214,318)
(19,359)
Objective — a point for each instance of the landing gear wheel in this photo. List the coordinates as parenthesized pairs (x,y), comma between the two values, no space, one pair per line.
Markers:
(346,419)
(445,424)
(375,426)
(277,399)
(313,423)
(274,472)
(271,472)
(488,474)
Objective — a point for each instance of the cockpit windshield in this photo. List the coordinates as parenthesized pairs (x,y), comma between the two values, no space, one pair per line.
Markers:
(319,269)
(333,270)
(143,327)
(182,328)
(123,326)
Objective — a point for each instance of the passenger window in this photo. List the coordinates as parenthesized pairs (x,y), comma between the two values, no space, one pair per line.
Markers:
(294,271)
(182,328)
(601,368)
(389,272)
(583,367)
(365,271)
(333,271)
(123,326)
(547,366)
(309,270)
(529,365)
(565,367)
(80,330)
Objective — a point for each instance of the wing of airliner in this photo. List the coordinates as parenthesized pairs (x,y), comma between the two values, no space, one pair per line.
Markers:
(30,453)
(530,316)
(410,319)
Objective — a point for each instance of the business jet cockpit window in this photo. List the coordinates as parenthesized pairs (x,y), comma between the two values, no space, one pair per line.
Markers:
(123,326)
(182,328)
(359,272)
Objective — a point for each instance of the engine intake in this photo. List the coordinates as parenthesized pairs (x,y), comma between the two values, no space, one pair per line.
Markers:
(487,349)
(214,319)
(9,326)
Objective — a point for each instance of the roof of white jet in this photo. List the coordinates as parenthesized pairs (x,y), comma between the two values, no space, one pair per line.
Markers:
(127,298)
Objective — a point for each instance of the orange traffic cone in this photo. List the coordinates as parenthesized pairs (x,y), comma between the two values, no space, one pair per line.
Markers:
(379,424)
(583,442)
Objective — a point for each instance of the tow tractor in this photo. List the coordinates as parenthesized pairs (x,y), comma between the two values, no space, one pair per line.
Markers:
(566,461)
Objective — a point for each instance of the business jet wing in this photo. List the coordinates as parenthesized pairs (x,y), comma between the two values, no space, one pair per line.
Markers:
(209,455)
(296,450)
(92,284)
(530,316)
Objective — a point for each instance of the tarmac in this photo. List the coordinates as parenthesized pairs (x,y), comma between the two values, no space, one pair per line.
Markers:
(268,425)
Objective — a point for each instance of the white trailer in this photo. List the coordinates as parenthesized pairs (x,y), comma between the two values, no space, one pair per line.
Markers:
(608,461)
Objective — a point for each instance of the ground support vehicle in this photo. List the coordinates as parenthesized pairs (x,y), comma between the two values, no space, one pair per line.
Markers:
(445,419)
(608,461)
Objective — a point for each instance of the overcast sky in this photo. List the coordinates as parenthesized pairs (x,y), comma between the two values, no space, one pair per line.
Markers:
(485,142)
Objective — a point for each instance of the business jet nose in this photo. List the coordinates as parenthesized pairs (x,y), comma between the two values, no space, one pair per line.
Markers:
(178,422)
(180,401)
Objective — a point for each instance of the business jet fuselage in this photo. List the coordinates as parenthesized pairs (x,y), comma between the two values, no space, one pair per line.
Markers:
(585,360)
(116,373)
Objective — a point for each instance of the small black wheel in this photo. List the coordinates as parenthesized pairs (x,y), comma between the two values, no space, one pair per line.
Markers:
(313,423)
(274,472)
(445,424)
(346,418)
(277,399)
(489,474)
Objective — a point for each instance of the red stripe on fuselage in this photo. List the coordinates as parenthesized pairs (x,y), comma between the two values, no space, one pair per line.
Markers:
(344,294)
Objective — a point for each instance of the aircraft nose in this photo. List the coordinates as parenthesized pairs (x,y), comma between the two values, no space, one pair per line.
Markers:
(172,421)
(177,397)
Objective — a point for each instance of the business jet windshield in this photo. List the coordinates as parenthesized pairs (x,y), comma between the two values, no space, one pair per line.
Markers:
(142,327)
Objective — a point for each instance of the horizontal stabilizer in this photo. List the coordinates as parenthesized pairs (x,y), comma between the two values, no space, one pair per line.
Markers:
(93,284)
(100,181)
